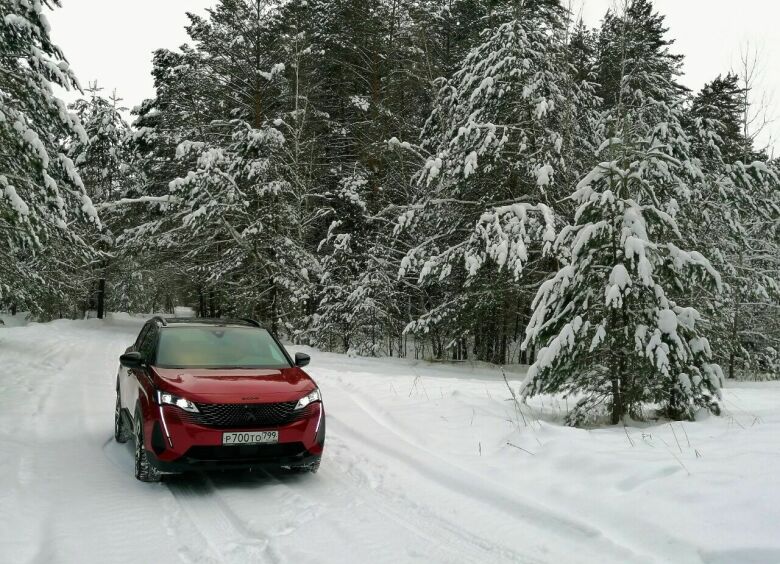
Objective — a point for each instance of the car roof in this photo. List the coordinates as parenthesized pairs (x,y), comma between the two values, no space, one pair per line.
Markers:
(204,321)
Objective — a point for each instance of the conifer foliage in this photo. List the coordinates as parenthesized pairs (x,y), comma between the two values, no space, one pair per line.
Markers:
(453,179)
(102,162)
(618,322)
(41,192)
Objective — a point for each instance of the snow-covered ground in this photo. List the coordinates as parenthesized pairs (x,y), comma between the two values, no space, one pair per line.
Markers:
(428,463)
(8,320)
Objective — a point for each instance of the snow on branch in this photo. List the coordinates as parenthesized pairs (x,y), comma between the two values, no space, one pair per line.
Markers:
(142,200)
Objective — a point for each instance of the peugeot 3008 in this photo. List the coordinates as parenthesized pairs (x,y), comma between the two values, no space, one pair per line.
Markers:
(203,394)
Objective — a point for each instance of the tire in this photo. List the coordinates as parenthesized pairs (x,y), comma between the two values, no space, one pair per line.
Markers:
(144,471)
(121,433)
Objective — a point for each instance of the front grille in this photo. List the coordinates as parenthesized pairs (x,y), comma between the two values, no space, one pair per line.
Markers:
(245,453)
(247,415)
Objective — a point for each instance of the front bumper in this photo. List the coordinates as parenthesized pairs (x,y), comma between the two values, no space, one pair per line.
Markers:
(175,444)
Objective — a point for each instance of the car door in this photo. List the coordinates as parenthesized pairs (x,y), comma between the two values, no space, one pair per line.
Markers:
(127,380)
(141,376)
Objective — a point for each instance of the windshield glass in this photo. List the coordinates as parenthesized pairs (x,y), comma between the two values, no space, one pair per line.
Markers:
(219,347)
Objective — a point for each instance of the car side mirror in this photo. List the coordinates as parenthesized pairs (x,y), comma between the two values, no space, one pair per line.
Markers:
(302,359)
(132,360)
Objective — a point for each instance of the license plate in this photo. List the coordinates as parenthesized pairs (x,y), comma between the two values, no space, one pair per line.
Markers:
(250,438)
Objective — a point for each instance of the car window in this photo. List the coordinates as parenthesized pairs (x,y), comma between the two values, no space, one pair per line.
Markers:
(219,347)
(148,343)
(141,335)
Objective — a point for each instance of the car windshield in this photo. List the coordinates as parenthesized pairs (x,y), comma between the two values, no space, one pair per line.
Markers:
(219,347)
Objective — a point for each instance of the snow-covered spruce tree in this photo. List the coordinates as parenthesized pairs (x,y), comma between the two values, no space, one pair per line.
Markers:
(232,152)
(100,159)
(448,29)
(102,163)
(181,109)
(373,84)
(360,307)
(617,323)
(614,323)
(41,193)
(502,132)
(738,224)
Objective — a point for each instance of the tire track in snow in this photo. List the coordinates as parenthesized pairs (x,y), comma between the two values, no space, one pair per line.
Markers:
(306,510)
(69,487)
(24,360)
(223,531)
(368,500)
(469,485)
(436,525)
(461,544)
(638,547)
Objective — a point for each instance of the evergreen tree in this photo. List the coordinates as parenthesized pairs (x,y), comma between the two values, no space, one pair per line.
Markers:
(372,82)
(624,69)
(235,184)
(738,225)
(365,175)
(617,322)
(720,105)
(41,192)
(102,165)
(501,133)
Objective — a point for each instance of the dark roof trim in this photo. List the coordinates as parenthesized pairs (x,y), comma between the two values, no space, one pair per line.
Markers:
(205,321)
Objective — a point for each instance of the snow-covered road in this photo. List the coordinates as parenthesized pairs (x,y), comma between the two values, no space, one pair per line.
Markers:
(426,463)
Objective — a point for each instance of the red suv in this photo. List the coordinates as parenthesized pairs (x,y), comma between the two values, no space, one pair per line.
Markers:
(202,394)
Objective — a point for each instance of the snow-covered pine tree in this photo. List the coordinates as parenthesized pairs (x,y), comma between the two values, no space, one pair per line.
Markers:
(501,133)
(360,307)
(233,147)
(617,324)
(448,29)
(182,108)
(373,83)
(41,193)
(738,223)
(102,165)
(100,159)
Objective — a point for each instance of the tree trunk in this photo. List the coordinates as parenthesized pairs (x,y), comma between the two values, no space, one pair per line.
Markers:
(734,339)
(617,401)
(101,298)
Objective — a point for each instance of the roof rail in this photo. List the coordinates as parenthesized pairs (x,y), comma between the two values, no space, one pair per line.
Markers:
(251,321)
(160,319)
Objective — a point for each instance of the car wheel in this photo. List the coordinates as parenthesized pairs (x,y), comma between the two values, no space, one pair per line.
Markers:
(121,433)
(144,471)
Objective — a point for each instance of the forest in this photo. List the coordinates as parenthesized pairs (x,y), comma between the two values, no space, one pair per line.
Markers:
(486,180)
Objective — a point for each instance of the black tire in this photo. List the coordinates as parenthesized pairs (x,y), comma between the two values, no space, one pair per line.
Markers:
(121,433)
(144,471)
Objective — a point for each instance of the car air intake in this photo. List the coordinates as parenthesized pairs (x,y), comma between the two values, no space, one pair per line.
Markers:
(245,453)
(247,415)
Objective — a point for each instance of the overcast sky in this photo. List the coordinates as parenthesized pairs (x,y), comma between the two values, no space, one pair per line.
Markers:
(111,41)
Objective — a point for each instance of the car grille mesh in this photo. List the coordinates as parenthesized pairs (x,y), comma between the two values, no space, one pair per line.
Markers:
(247,415)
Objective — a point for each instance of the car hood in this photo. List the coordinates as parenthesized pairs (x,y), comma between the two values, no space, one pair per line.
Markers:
(236,386)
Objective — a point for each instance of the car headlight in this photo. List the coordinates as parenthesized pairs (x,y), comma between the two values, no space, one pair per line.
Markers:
(310,398)
(165,398)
